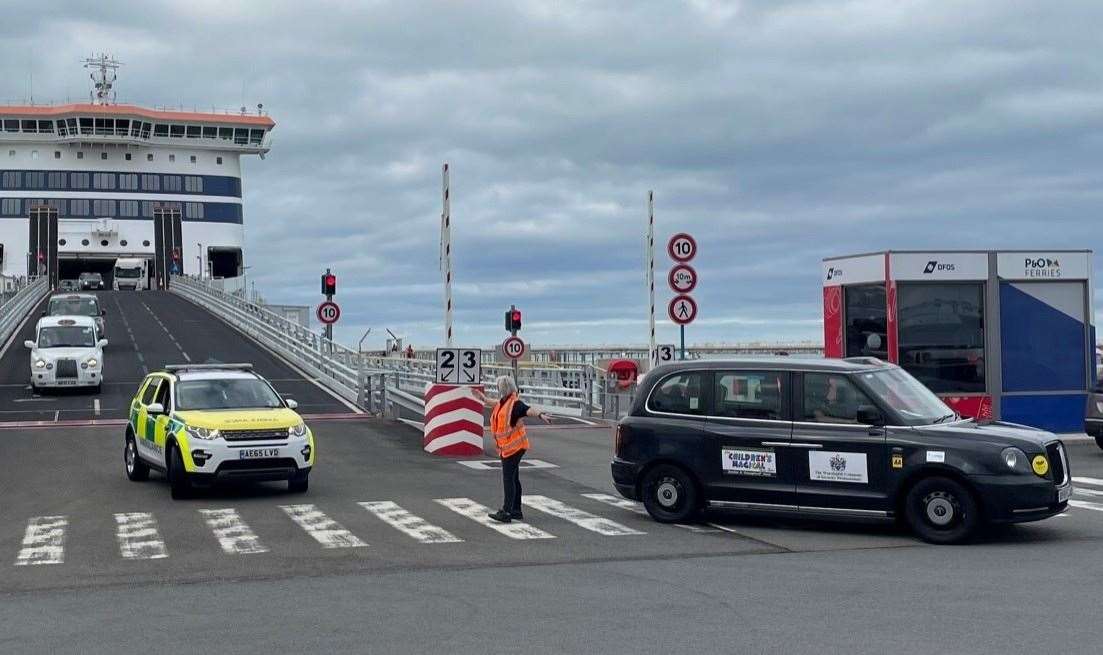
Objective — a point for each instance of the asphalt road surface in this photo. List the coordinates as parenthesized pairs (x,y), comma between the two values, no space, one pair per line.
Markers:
(388,553)
(145,331)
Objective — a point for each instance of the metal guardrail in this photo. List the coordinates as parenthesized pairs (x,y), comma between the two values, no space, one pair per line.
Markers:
(384,385)
(16,308)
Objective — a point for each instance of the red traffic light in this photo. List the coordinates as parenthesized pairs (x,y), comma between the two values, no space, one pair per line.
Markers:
(329,284)
(517,317)
(513,320)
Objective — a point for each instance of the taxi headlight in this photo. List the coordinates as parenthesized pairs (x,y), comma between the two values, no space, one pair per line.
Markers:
(297,431)
(202,433)
(91,362)
(1015,460)
(40,363)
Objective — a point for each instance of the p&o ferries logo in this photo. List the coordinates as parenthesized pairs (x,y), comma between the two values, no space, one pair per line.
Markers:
(1042,267)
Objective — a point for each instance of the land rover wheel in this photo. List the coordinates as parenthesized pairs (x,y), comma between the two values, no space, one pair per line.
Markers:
(136,469)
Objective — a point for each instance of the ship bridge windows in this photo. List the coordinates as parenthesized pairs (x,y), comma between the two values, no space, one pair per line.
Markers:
(161,129)
(226,133)
(210,132)
(78,180)
(11,125)
(122,126)
(103,180)
(56,180)
(194,131)
(193,183)
(85,125)
(30,126)
(172,183)
(151,182)
(11,180)
(176,131)
(36,180)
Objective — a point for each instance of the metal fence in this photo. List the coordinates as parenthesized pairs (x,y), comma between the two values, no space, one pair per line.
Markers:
(16,306)
(395,386)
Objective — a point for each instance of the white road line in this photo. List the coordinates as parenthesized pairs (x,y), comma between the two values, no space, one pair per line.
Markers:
(478,513)
(138,536)
(414,526)
(96,406)
(233,534)
(1080,491)
(637,507)
(582,519)
(44,541)
(1083,504)
(1094,481)
(325,530)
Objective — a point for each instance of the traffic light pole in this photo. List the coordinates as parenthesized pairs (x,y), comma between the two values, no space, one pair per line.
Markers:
(516,366)
(329,327)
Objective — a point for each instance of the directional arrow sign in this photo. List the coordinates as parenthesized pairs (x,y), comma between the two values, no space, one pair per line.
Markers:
(682,278)
(459,365)
(682,309)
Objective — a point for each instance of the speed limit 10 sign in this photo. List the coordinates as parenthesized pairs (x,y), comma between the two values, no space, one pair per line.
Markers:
(513,348)
(682,247)
(329,312)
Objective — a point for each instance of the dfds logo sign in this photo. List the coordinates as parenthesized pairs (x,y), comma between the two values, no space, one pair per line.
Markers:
(833,273)
(934,265)
(1041,267)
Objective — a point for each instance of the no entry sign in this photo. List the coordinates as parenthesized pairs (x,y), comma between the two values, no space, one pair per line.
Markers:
(329,312)
(682,309)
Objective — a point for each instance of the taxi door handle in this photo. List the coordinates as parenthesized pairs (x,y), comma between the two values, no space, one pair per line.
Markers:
(791,444)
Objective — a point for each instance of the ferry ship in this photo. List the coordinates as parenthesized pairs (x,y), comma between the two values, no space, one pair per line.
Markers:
(82,185)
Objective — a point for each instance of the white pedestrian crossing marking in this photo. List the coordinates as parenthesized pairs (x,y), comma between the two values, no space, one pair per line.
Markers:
(138,537)
(1083,504)
(478,513)
(1095,481)
(233,534)
(325,530)
(637,508)
(415,526)
(579,517)
(44,541)
(1080,491)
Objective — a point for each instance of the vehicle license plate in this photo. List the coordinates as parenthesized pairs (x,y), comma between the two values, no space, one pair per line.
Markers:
(1064,493)
(257,453)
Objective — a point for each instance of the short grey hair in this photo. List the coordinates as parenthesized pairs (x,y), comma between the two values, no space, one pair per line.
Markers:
(506,386)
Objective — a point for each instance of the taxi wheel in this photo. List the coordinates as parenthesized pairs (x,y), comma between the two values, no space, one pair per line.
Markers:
(136,469)
(178,477)
(942,511)
(669,494)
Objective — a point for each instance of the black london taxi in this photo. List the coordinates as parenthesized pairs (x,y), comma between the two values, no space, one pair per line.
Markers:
(856,439)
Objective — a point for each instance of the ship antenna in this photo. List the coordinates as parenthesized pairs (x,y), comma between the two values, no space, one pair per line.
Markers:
(103,67)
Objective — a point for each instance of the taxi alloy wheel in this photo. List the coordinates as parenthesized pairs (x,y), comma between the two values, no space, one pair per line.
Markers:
(136,469)
(942,511)
(669,494)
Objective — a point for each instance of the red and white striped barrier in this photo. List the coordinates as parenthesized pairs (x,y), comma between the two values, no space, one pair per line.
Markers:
(453,421)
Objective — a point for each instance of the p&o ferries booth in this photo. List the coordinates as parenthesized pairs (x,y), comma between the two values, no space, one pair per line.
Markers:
(1006,335)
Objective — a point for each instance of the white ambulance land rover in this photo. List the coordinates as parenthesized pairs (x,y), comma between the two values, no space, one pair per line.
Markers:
(67,351)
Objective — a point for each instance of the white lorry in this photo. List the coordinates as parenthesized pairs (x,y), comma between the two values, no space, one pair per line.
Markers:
(130,273)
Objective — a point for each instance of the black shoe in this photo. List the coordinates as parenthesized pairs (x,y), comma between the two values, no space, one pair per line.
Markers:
(517,516)
(501,516)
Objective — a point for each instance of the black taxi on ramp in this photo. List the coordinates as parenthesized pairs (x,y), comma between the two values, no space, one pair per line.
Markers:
(853,439)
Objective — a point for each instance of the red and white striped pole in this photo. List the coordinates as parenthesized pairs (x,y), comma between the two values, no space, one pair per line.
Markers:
(446,257)
(651,277)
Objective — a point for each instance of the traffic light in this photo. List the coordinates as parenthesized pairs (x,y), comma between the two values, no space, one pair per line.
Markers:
(329,284)
(513,320)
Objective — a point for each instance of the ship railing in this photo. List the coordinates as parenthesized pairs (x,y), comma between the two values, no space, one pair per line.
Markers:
(390,386)
(19,298)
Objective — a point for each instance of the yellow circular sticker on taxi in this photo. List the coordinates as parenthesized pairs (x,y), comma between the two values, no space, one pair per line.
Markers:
(1041,466)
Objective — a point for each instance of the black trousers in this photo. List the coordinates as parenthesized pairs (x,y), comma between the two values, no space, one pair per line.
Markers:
(511,482)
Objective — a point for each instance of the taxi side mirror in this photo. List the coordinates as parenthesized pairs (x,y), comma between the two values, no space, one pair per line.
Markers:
(156,408)
(291,404)
(870,415)
(29,344)
(102,343)
(103,312)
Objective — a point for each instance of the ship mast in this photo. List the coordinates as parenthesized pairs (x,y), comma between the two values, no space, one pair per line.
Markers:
(103,76)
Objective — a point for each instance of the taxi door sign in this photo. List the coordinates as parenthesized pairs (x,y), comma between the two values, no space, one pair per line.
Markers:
(897,461)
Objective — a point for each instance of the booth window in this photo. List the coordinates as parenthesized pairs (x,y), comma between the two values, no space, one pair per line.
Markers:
(866,335)
(941,328)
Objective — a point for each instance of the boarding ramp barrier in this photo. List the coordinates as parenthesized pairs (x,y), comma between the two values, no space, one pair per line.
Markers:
(387,386)
(19,299)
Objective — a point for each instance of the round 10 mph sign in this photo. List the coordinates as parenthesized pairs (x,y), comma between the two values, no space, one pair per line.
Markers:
(681,247)
(682,278)
(329,312)
(513,348)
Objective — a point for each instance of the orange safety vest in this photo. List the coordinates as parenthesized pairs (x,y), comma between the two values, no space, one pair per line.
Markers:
(510,440)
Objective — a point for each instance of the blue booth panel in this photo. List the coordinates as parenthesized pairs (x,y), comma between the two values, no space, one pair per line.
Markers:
(1043,337)
(1054,412)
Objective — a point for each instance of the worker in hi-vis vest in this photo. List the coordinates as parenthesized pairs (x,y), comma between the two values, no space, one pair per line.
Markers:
(507,422)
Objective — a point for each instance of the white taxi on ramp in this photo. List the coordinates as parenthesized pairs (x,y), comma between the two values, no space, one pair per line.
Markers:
(67,351)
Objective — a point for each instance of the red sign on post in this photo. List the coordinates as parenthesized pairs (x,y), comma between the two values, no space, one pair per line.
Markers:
(682,278)
(329,312)
(513,348)
(682,309)
(681,247)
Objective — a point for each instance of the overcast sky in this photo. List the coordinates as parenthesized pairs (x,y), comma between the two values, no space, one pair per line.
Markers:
(778,132)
